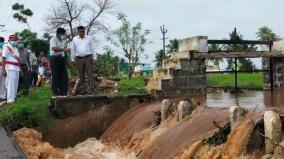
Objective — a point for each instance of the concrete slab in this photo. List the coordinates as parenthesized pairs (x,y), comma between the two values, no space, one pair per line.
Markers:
(8,149)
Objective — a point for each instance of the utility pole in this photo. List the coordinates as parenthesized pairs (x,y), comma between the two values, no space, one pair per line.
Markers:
(164,31)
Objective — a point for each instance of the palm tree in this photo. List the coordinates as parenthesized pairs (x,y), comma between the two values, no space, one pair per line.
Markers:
(173,46)
(266,34)
(244,63)
(159,58)
(214,48)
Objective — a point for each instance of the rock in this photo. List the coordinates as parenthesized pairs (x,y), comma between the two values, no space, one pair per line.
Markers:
(268,156)
(279,150)
(236,114)
(273,130)
(184,109)
(166,103)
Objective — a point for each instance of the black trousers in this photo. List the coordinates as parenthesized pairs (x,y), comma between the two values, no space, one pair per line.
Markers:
(59,82)
(24,79)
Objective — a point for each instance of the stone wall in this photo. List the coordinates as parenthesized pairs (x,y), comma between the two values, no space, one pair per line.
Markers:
(277,68)
(266,75)
(189,80)
(278,73)
(182,75)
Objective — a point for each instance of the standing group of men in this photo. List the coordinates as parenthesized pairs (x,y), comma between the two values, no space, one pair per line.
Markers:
(15,61)
(82,55)
(16,64)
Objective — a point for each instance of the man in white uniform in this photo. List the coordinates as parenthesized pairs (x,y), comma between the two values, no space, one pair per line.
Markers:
(83,53)
(11,68)
(2,78)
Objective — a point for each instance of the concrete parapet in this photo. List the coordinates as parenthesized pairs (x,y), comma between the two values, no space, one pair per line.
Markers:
(236,114)
(278,45)
(272,130)
(165,109)
(184,110)
(198,43)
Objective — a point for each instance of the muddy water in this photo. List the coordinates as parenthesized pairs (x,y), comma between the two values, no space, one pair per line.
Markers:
(31,143)
(249,99)
(185,133)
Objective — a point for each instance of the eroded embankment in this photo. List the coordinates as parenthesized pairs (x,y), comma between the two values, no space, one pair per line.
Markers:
(140,134)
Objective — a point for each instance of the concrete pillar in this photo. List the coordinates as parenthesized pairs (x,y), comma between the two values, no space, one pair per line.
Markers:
(272,129)
(184,109)
(237,113)
(166,103)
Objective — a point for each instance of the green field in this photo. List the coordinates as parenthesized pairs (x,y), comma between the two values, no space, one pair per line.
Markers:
(245,80)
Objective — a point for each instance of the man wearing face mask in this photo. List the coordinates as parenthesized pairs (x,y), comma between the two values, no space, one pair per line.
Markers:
(2,78)
(59,83)
(25,65)
(11,68)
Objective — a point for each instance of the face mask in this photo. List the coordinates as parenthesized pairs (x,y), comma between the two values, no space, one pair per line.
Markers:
(13,43)
(21,46)
(1,45)
(62,37)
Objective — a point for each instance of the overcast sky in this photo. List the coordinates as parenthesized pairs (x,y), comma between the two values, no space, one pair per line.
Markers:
(183,18)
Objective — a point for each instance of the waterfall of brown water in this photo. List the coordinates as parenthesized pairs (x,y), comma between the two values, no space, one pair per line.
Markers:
(32,145)
(235,146)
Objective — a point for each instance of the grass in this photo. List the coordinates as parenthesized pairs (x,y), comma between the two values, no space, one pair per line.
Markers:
(28,111)
(245,80)
(32,111)
(133,86)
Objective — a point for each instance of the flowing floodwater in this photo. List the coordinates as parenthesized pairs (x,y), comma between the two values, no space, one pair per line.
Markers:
(31,143)
(249,99)
(134,136)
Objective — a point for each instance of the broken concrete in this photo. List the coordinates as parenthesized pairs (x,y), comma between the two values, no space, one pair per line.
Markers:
(184,110)
(166,103)
(273,130)
(236,114)
(9,149)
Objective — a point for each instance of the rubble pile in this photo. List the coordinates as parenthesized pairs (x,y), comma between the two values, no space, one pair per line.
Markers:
(101,85)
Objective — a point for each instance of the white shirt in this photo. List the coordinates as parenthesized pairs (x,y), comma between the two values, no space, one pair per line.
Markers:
(41,71)
(9,57)
(82,47)
(58,43)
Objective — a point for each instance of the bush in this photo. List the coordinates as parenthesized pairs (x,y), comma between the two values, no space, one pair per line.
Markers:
(28,111)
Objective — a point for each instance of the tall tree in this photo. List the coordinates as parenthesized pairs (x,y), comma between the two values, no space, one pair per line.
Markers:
(30,38)
(244,64)
(71,13)
(131,40)
(266,34)
(107,63)
(22,13)
(159,58)
(172,46)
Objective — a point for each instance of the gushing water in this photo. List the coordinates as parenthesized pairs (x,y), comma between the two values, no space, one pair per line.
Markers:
(32,145)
